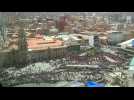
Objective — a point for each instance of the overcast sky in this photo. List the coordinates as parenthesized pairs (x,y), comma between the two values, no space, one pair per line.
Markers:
(60,13)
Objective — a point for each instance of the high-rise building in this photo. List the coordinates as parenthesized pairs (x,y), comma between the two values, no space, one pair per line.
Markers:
(129,19)
(61,23)
(91,41)
(93,14)
(96,41)
(107,20)
(3,32)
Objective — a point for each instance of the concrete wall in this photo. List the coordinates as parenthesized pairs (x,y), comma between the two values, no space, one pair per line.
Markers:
(8,59)
(51,53)
(116,37)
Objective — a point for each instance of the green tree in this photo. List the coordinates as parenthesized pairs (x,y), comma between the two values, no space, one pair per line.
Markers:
(91,52)
(22,47)
(13,57)
(22,42)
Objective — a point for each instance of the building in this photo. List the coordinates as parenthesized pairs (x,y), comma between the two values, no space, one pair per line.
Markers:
(91,41)
(131,73)
(39,49)
(129,19)
(3,30)
(131,68)
(103,40)
(127,47)
(115,37)
(39,42)
(96,41)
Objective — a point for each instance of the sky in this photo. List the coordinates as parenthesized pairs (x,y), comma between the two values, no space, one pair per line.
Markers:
(59,13)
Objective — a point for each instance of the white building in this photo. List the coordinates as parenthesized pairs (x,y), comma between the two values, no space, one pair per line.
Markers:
(129,19)
(91,41)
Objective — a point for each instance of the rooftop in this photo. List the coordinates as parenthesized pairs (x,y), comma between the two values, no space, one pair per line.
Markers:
(127,43)
(43,42)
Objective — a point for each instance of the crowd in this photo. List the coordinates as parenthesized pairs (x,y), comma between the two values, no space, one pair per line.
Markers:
(56,70)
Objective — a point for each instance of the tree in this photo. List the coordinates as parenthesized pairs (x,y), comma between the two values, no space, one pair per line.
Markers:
(22,47)
(22,42)
(91,52)
(13,57)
